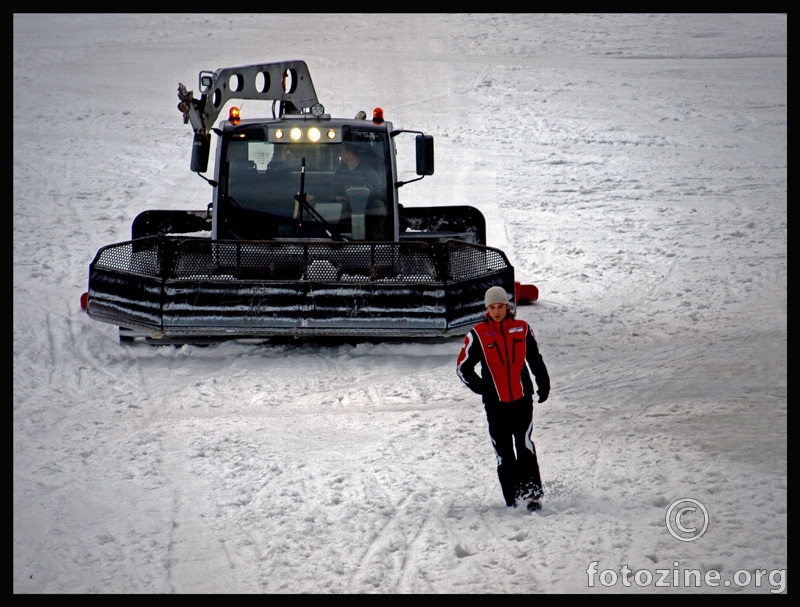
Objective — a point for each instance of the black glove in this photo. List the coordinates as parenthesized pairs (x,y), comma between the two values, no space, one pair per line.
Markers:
(477,387)
(543,394)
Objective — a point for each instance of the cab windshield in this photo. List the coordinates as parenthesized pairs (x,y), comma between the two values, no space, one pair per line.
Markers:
(347,187)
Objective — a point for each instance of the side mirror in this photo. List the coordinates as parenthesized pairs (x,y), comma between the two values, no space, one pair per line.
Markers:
(424,154)
(206,79)
(200,151)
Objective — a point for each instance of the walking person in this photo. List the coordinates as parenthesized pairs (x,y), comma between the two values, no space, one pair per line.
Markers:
(506,349)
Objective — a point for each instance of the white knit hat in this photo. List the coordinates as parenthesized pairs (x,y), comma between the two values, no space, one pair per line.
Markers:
(496,295)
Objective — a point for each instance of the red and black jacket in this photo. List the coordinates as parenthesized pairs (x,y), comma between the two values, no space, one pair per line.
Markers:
(502,349)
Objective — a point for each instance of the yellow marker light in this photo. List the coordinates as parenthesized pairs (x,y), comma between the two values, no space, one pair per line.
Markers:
(295,134)
(314,134)
(279,134)
(331,134)
(233,115)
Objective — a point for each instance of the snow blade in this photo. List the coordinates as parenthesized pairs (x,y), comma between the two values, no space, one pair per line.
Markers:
(183,288)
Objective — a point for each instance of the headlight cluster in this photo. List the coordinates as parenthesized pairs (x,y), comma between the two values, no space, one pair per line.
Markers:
(308,134)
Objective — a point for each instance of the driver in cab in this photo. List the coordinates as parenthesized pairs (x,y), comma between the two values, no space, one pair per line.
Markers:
(353,171)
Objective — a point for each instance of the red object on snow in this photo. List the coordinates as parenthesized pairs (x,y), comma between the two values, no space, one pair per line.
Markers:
(84,300)
(525,293)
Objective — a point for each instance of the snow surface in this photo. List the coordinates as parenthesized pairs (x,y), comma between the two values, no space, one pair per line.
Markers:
(632,166)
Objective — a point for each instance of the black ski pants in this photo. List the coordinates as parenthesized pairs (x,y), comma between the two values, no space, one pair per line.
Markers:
(510,428)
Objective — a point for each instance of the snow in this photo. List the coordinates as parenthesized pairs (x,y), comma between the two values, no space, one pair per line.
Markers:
(632,166)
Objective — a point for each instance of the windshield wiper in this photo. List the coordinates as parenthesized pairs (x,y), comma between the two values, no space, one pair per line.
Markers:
(302,203)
